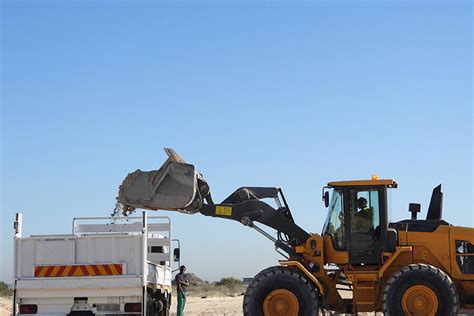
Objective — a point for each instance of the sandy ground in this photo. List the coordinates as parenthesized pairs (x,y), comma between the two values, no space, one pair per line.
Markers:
(195,306)
(215,306)
(5,306)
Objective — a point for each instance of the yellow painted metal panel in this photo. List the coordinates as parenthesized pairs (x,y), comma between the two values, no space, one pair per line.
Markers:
(224,210)
(298,264)
(388,182)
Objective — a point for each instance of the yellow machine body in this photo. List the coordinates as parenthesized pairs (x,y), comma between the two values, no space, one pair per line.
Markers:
(412,267)
(440,248)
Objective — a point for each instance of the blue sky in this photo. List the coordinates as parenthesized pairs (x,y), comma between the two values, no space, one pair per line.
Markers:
(268,93)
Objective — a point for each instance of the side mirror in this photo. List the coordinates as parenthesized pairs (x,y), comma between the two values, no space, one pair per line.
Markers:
(176,254)
(326,199)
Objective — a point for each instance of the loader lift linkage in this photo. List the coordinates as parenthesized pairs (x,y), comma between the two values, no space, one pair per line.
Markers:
(247,207)
(411,267)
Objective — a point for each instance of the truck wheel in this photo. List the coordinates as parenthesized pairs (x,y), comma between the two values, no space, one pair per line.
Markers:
(159,307)
(165,306)
(149,305)
(420,289)
(279,291)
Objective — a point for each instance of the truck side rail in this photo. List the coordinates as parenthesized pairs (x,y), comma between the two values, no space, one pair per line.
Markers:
(88,226)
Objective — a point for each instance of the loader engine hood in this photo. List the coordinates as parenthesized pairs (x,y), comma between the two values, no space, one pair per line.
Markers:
(175,186)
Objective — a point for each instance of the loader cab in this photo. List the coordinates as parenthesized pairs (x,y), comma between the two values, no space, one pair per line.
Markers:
(357,219)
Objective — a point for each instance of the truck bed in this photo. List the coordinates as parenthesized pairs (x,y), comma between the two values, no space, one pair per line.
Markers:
(102,264)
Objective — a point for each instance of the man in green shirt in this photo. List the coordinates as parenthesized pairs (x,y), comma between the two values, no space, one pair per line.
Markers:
(182,284)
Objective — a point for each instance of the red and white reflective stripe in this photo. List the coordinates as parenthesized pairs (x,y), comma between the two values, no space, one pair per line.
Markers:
(78,270)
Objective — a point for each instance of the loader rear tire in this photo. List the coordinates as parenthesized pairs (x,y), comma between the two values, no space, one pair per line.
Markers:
(280,291)
(420,289)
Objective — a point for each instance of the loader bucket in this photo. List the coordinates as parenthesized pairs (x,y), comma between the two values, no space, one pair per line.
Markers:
(172,187)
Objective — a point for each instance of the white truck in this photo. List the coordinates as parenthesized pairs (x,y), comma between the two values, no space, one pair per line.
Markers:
(106,266)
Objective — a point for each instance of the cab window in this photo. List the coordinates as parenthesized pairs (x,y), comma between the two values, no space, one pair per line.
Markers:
(364,211)
(334,225)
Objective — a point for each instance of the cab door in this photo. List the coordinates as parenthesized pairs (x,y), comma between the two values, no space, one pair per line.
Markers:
(365,215)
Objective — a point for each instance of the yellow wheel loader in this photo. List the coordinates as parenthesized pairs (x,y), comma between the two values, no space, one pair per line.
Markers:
(411,267)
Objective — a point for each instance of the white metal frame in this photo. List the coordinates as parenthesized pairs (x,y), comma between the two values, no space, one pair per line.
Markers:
(123,225)
(94,230)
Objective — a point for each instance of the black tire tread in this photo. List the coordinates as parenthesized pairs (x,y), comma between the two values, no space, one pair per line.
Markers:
(421,268)
(264,274)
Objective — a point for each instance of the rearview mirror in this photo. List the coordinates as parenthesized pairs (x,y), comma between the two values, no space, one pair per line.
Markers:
(176,254)
(326,199)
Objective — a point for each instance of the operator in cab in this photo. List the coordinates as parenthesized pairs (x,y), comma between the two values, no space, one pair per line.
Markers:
(364,216)
(363,210)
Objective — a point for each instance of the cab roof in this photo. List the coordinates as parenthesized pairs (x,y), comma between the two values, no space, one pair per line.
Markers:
(349,183)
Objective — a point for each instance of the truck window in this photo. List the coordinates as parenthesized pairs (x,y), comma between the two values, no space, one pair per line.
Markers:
(156,249)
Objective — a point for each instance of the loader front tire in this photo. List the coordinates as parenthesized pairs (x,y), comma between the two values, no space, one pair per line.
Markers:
(280,291)
(420,289)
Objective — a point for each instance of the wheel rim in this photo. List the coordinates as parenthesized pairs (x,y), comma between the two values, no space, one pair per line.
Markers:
(281,302)
(419,300)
